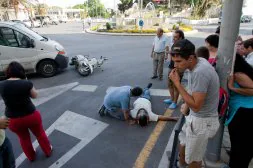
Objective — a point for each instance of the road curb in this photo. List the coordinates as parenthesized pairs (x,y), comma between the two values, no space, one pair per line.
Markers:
(132,34)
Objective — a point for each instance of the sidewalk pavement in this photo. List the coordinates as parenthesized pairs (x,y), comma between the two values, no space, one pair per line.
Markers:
(224,158)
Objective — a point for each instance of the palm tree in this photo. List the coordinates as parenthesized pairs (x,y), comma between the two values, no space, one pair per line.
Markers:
(15,4)
(201,6)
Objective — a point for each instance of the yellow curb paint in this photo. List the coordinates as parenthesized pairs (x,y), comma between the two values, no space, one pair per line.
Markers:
(145,152)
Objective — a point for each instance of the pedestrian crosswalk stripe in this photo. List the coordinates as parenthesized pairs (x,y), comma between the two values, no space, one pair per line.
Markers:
(45,94)
(153,92)
(159,92)
(72,124)
(85,88)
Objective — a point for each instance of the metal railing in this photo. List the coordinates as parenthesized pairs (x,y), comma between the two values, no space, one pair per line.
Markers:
(174,152)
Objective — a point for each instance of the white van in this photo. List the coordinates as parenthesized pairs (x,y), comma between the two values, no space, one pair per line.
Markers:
(36,53)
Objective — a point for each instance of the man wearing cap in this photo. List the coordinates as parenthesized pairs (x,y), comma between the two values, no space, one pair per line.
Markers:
(202,98)
(160,51)
(142,110)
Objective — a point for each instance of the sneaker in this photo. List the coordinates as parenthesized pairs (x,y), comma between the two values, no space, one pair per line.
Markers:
(149,85)
(50,151)
(102,111)
(154,77)
(167,101)
(173,106)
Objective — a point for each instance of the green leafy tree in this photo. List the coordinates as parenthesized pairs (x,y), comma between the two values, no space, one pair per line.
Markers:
(80,6)
(124,5)
(96,8)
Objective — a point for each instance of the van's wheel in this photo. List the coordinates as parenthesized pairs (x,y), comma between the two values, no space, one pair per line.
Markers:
(47,68)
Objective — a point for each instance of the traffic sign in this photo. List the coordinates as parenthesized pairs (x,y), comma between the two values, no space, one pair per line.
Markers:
(141,23)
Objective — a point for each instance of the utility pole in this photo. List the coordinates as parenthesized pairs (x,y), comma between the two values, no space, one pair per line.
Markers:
(141,7)
(228,35)
(87,8)
(169,6)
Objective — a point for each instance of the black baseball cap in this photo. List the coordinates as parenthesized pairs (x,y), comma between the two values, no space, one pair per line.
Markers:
(183,47)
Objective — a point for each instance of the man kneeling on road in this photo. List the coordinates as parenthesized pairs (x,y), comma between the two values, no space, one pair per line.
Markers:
(142,111)
(117,102)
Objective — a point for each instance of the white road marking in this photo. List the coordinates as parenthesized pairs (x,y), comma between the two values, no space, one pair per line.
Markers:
(85,88)
(45,95)
(160,92)
(48,93)
(76,125)
(153,92)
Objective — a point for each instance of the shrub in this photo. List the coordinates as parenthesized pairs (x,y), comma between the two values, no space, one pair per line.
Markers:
(108,26)
(157,24)
(95,27)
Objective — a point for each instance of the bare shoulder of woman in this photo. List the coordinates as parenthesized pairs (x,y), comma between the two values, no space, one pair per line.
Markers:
(243,80)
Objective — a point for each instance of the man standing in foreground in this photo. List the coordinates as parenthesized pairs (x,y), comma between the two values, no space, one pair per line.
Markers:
(160,51)
(202,123)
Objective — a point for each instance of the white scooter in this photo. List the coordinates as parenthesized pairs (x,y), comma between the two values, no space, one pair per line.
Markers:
(85,65)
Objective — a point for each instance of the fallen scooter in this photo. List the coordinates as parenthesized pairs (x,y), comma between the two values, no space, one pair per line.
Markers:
(85,65)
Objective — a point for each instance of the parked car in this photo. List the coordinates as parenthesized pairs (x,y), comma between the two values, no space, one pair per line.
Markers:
(28,23)
(36,53)
(51,21)
(62,18)
(246,18)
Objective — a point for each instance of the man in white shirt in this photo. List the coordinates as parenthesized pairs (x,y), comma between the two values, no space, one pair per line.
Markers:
(142,111)
(159,53)
(248,50)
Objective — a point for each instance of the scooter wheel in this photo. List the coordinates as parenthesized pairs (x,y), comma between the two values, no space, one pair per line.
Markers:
(84,70)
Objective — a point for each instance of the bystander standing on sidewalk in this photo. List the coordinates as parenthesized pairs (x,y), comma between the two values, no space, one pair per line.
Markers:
(212,43)
(177,35)
(248,51)
(16,92)
(159,53)
(240,114)
(203,86)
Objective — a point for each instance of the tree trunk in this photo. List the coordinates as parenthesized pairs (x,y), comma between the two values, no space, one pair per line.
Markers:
(16,7)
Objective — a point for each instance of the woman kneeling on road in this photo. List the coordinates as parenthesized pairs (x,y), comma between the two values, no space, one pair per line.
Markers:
(16,92)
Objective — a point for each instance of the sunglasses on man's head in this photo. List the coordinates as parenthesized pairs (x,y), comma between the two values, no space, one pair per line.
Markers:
(175,54)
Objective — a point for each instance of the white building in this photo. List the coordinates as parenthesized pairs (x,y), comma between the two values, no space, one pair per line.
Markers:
(70,13)
(247,10)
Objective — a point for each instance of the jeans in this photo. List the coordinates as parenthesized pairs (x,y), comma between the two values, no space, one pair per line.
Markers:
(7,159)
(115,113)
(146,94)
(21,127)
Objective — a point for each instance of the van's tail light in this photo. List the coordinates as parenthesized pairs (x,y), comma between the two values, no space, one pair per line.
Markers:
(61,53)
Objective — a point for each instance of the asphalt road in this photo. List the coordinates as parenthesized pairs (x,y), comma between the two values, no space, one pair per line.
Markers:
(245,28)
(116,144)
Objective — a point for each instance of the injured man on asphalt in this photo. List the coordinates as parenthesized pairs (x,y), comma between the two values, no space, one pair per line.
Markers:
(142,110)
